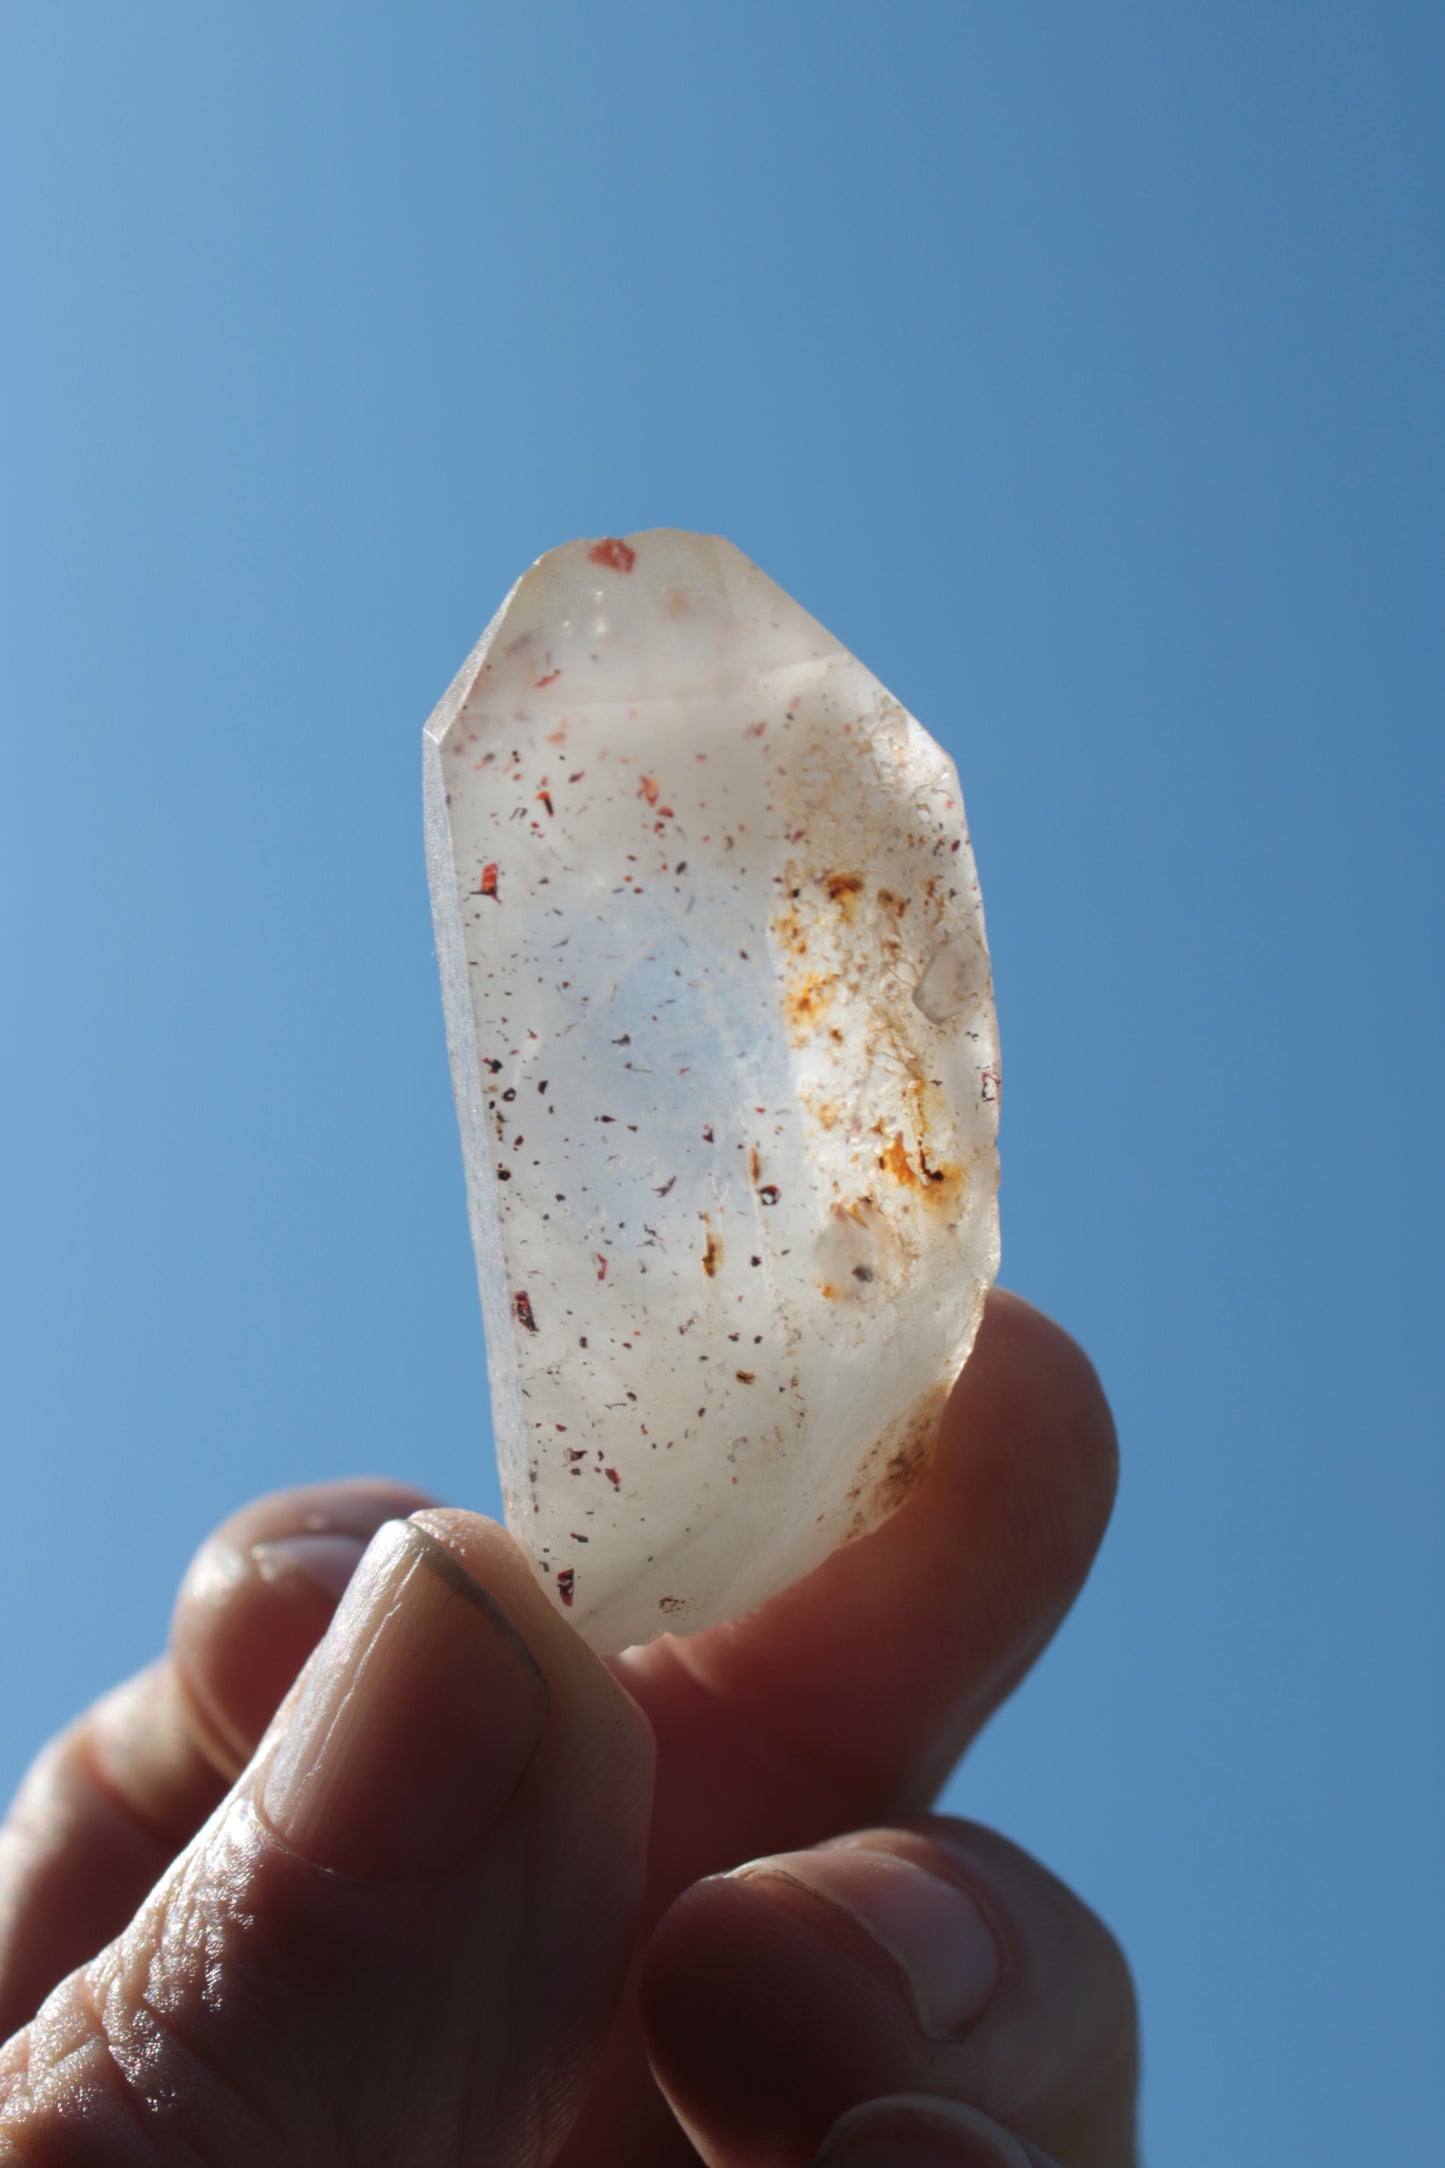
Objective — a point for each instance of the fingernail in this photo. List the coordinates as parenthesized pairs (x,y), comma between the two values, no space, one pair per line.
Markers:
(932,1929)
(327,1558)
(917,2134)
(415,1722)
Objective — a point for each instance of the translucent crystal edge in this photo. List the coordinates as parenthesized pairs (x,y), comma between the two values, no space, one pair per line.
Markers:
(483,1217)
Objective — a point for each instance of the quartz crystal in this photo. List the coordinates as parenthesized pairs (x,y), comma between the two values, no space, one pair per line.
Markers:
(723,1042)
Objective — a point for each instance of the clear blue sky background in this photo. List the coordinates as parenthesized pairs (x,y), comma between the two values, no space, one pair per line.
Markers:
(1082,367)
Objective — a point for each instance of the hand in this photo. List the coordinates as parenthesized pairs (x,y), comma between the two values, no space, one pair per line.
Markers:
(422,1920)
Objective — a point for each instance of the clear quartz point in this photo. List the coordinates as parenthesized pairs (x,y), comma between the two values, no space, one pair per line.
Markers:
(723,1042)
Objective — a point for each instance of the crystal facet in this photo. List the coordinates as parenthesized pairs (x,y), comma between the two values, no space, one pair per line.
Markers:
(723,1042)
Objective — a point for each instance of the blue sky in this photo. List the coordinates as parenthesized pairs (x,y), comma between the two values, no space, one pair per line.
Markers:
(1081,368)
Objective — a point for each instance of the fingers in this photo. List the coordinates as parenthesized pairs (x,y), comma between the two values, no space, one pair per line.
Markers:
(921,2133)
(935,1960)
(847,1699)
(96,1822)
(258,1596)
(401,1935)
(850,1696)
(108,1805)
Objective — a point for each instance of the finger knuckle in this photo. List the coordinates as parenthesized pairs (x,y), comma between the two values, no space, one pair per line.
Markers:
(65,2098)
(154,2046)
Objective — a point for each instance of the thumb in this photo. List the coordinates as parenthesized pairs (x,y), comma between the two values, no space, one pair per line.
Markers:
(402,1935)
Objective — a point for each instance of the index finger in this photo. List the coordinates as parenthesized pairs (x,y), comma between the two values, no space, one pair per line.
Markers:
(852,1694)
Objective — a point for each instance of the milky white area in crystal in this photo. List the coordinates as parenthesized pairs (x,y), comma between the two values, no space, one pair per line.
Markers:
(723,1041)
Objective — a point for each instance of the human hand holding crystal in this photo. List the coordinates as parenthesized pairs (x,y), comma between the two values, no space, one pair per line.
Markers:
(463,1891)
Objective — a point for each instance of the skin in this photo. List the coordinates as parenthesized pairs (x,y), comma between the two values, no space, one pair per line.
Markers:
(431,1883)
